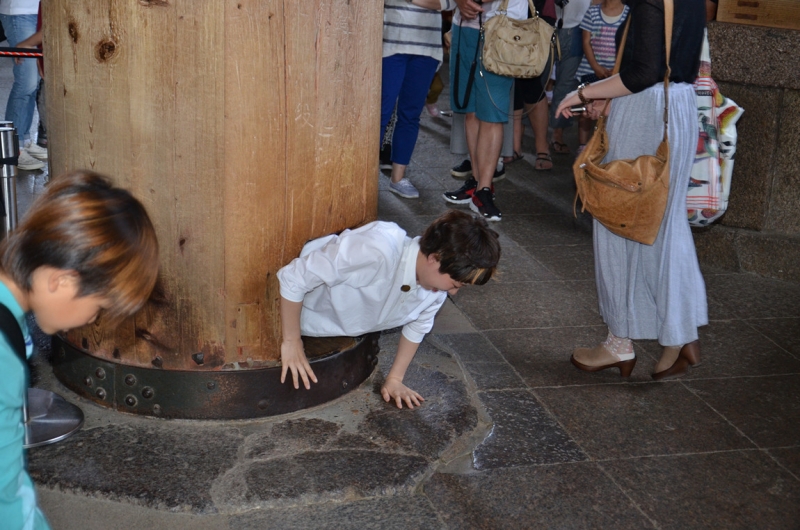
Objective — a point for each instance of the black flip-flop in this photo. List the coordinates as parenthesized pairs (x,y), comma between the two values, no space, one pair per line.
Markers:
(511,159)
(559,148)
(542,157)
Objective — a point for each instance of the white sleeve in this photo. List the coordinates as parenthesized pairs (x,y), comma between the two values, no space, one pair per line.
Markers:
(353,258)
(416,331)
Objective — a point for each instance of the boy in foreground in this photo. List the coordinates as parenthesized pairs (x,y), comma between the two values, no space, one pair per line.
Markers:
(376,277)
(84,247)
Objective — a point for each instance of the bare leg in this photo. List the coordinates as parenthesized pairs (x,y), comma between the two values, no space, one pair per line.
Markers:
(584,130)
(487,151)
(471,125)
(539,118)
(398,172)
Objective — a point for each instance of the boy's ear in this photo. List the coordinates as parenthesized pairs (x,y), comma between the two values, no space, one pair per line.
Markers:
(433,257)
(61,278)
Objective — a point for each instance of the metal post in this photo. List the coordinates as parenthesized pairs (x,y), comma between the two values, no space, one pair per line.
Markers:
(9,154)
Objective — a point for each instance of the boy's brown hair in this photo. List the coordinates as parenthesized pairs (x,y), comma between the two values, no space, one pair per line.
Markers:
(83,223)
(467,249)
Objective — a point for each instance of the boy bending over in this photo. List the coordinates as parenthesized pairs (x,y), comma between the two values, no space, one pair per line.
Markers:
(375,278)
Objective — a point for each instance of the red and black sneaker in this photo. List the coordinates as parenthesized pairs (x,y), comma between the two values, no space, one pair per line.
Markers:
(483,203)
(463,195)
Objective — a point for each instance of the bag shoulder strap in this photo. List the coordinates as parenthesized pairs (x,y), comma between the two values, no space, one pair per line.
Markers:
(10,328)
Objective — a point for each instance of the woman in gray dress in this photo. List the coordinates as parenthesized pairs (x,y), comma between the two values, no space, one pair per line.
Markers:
(650,291)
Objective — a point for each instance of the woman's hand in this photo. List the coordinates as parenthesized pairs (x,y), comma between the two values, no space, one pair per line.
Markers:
(595,108)
(394,388)
(571,100)
(600,72)
(294,358)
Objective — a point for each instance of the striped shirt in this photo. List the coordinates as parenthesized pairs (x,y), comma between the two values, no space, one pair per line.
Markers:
(413,30)
(603,31)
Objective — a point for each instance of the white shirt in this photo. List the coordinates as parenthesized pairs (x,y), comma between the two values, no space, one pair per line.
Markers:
(573,12)
(517,9)
(361,281)
(19,7)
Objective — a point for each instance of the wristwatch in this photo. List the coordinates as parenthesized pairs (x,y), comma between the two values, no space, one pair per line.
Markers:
(580,94)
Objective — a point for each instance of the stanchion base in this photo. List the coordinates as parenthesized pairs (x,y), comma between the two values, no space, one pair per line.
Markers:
(51,418)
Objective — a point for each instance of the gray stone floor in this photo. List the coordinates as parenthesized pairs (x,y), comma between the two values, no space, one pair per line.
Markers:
(511,435)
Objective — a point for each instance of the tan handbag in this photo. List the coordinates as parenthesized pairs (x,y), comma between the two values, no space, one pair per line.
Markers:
(629,197)
(516,48)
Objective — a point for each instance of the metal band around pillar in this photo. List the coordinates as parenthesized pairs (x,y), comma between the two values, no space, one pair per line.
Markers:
(212,394)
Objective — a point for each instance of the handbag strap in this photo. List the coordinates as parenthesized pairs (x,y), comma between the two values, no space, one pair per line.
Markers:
(503,8)
(473,66)
(668,18)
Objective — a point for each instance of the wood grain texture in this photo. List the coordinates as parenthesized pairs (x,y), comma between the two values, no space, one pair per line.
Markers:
(246,127)
(769,13)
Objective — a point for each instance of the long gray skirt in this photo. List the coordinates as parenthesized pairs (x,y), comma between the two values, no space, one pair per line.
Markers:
(653,292)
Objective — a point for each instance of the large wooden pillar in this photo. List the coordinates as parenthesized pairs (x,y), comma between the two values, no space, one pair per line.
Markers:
(246,127)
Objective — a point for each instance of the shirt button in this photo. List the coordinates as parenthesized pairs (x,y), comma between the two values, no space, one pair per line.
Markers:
(405,288)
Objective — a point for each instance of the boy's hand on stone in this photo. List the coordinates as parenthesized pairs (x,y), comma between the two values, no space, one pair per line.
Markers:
(394,388)
(294,358)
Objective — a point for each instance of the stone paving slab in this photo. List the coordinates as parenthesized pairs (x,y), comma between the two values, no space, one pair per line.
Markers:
(357,447)
(638,419)
(523,433)
(731,490)
(765,409)
(579,496)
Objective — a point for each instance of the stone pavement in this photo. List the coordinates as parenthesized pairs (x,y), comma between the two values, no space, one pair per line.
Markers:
(511,435)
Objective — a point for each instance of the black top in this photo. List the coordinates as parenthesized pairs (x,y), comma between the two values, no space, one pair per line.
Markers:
(644,59)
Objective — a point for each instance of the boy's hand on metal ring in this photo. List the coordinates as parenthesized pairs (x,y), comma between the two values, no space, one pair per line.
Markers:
(293,359)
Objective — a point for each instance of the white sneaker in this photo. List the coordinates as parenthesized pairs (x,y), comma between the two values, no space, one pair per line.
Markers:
(28,163)
(37,151)
(404,188)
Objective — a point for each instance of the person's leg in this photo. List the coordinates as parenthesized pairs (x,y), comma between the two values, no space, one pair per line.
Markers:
(509,151)
(392,74)
(572,53)
(585,125)
(538,115)
(492,100)
(22,98)
(464,46)
(416,82)
(437,85)
(489,140)
(519,130)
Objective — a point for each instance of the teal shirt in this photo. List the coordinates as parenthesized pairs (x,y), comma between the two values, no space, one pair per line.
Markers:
(18,508)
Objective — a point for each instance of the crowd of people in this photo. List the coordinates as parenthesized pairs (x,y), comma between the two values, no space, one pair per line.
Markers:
(21,24)
(645,291)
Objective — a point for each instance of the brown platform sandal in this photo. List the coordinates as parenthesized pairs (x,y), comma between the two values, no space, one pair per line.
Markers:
(688,356)
(625,367)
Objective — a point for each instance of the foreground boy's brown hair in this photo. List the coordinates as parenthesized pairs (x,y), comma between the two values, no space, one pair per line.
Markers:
(467,249)
(83,223)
